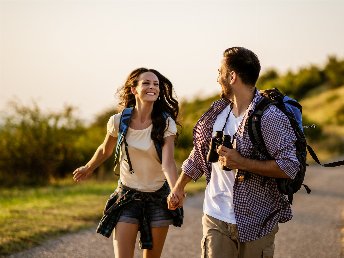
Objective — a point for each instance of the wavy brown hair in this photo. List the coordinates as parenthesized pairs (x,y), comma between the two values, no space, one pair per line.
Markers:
(166,104)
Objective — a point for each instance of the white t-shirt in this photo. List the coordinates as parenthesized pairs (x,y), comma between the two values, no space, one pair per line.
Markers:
(148,175)
(218,200)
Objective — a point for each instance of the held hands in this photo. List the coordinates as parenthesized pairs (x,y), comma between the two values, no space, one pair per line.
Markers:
(175,199)
(230,157)
(81,173)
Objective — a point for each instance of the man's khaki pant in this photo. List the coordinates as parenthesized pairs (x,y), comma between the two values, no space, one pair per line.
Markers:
(220,240)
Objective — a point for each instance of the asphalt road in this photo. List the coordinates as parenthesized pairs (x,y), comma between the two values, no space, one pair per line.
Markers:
(315,230)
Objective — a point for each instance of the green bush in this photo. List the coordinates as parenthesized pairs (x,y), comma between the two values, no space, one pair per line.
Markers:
(334,72)
(36,147)
(339,119)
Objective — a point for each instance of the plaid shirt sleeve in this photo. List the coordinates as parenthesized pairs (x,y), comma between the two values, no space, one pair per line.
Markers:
(190,165)
(196,164)
(280,140)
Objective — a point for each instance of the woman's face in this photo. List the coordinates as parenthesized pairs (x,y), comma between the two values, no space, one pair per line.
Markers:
(147,88)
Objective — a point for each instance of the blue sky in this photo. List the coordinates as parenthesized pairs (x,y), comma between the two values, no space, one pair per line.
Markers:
(58,52)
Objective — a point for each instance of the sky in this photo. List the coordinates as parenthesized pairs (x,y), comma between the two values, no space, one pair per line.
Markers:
(79,52)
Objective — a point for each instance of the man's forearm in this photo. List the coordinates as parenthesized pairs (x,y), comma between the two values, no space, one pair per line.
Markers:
(267,168)
(182,181)
(177,195)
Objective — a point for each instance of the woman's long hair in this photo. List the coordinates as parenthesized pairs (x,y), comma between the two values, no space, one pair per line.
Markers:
(166,105)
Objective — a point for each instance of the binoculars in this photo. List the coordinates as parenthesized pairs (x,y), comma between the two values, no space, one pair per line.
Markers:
(215,142)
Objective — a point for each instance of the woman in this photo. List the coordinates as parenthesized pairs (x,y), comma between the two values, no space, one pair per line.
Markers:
(142,173)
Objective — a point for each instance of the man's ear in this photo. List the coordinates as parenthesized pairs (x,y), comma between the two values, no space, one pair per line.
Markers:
(133,90)
(232,76)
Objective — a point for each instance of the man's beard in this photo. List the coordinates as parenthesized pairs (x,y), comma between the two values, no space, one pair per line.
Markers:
(226,92)
(222,95)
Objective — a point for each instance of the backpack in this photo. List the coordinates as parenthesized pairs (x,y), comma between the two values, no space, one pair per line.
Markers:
(293,110)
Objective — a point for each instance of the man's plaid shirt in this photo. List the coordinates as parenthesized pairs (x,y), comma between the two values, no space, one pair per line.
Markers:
(258,205)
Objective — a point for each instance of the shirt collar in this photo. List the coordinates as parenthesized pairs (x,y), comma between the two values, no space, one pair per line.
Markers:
(223,103)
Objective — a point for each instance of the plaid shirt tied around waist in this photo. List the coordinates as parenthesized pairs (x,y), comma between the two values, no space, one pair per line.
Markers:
(125,195)
(258,205)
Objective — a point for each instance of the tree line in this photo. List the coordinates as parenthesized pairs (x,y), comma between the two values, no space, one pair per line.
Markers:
(37,147)
(307,80)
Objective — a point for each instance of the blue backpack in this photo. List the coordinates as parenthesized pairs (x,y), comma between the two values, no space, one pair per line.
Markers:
(293,110)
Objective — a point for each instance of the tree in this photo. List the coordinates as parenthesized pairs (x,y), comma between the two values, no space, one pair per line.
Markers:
(306,80)
(264,81)
(334,72)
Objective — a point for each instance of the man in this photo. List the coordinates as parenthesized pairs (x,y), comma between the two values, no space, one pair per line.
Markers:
(242,206)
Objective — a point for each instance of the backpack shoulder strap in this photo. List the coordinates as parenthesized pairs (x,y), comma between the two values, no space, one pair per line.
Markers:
(254,126)
(122,130)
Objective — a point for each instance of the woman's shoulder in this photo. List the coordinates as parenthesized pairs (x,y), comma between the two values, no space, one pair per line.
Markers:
(171,127)
(115,117)
(170,120)
(113,123)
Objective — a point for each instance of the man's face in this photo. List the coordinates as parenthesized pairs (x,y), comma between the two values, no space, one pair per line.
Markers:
(223,80)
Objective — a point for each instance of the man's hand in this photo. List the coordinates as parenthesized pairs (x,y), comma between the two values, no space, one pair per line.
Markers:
(233,159)
(175,199)
(172,201)
(177,195)
(230,157)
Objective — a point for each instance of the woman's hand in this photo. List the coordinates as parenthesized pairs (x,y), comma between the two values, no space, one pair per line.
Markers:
(172,201)
(81,173)
(175,200)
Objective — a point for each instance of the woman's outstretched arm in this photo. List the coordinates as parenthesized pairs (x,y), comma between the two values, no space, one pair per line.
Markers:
(103,152)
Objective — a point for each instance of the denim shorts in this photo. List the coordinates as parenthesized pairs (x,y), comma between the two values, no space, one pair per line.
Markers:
(158,215)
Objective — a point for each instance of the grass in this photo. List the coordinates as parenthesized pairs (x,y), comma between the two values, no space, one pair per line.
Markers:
(30,216)
(324,108)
